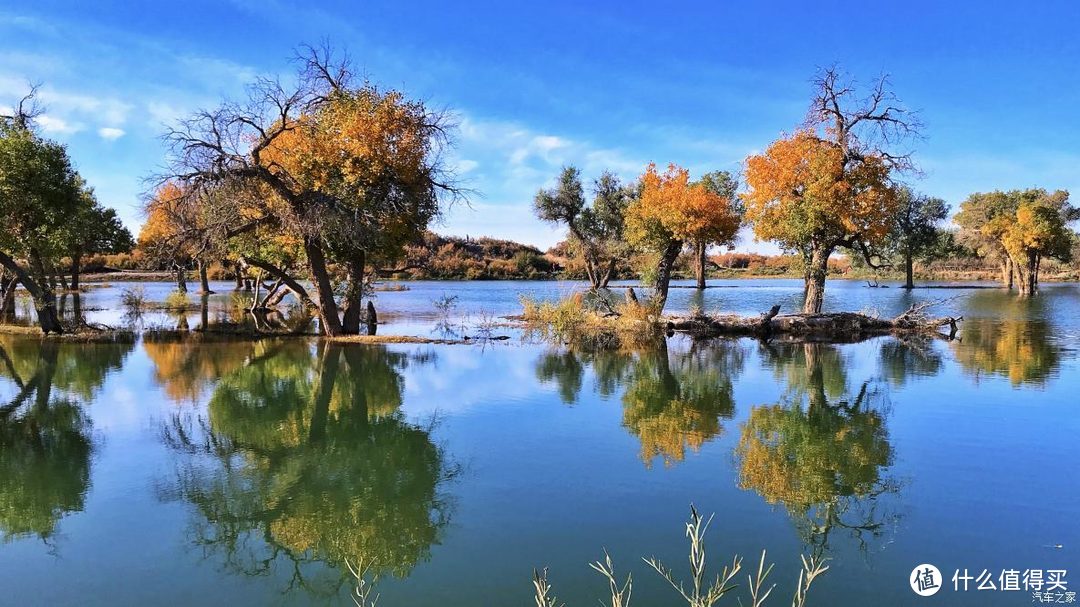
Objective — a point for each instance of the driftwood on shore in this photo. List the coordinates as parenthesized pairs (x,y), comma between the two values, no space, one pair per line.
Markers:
(838,326)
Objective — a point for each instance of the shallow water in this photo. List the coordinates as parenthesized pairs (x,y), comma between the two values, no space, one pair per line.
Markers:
(240,473)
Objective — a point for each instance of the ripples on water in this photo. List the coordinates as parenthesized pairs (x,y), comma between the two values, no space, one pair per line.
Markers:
(246,473)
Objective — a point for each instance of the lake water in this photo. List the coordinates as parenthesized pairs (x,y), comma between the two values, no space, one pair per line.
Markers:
(246,473)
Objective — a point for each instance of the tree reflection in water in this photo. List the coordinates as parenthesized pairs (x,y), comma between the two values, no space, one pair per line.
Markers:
(1009,337)
(1024,351)
(672,401)
(305,460)
(45,434)
(820,452)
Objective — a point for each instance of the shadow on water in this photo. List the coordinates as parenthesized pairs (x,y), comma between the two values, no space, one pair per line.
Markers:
(304,463)
(46,441)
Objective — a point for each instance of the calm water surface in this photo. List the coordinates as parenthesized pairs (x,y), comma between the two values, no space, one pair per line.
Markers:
(239,473)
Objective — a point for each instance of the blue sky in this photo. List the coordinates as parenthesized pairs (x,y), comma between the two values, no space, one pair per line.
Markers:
(600,85)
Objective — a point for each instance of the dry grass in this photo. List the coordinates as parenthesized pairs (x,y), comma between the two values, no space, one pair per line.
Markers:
(703,590)
(594,321)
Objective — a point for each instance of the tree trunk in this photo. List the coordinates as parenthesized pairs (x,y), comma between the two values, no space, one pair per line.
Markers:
(909,271)
(204,281)
(60,278)
(806,274)
(324,291)
(699,262)
(44,299)
(1027,274)
(664,270)
(815,284)
(76,269)
(181,279)
(354,295)
(7,297)
(1007,273)
(591,272)
(606,278)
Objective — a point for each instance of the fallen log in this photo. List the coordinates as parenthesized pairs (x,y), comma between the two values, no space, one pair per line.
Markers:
(837,326)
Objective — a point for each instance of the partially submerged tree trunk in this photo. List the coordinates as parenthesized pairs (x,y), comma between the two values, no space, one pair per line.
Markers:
(840,326)
(664,270)
(699,263)
(909,270)
(204,281)
(1027,272)
(1007,273)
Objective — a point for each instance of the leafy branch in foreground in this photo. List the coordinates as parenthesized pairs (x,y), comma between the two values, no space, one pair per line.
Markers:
(700,593)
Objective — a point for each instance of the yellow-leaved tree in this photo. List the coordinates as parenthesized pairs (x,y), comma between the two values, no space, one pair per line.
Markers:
(829,185)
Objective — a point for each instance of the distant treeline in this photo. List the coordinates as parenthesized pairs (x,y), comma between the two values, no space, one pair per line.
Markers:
(438,257)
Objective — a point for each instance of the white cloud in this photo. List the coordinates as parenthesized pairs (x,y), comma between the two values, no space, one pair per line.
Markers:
(52,124)
(109,133)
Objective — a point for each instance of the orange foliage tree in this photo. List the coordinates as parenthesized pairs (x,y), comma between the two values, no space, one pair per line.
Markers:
(829,185)
(672,211)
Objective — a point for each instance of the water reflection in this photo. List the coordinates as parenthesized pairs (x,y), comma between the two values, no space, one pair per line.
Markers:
(45,434)
(902,359)
(672,401)
(822,451)
(304,460)
(1024,351)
